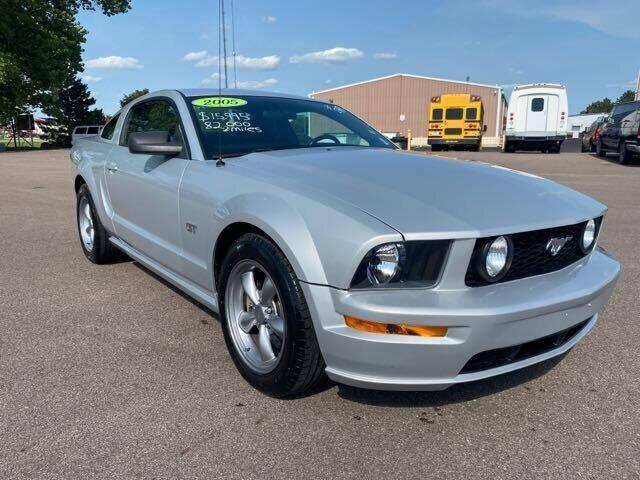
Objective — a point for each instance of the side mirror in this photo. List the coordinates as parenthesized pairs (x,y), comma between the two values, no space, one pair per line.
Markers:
(484,128)
(153,143)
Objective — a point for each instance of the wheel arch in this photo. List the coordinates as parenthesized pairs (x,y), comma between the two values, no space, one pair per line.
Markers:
(303,258)
(78,182)
(226,239)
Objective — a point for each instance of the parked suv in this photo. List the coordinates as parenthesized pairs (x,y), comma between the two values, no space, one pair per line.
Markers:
(591,135)
(620,132)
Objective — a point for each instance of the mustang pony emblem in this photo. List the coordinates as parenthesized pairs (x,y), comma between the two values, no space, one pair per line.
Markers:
(555,245)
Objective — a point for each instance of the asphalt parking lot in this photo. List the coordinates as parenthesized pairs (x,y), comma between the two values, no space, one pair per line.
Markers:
(108,372)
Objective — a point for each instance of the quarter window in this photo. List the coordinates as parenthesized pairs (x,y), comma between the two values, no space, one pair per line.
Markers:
(81,131)
(453,114)
(92,130)
(437,114)
(472,113)
(153,116)
(110,128)
(537,104)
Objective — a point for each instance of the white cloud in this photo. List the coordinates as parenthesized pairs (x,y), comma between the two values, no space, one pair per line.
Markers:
(192,56)
(269,82)
(90,78)
(631,84)
(612,18)
(213,78)
(332,55)
(270,62)
(385,55)
(115,62)
(269,19)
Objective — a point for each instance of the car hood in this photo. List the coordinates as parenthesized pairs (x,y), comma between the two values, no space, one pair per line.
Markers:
(427,197)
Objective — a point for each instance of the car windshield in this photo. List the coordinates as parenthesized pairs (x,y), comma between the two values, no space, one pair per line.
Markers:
(234,126)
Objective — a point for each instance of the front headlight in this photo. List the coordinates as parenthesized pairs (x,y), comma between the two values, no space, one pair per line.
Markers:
(384,263)
(588,236)
(402,264)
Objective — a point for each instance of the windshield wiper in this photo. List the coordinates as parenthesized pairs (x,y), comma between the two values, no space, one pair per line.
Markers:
(242,154)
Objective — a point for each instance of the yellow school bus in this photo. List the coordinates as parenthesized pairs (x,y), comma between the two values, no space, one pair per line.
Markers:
(455,121)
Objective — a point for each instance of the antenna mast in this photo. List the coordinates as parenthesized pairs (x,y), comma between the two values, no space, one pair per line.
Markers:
(224,43)
(233,46)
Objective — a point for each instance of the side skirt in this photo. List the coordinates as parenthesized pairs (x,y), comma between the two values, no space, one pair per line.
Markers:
(203,296)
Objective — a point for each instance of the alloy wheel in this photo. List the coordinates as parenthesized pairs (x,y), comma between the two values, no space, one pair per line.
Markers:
(85,224)
(254,316)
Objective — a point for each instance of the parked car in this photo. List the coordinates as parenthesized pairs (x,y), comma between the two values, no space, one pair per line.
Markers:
(620,132)
(590,136)
(536,118)
(82,131)
(325,249)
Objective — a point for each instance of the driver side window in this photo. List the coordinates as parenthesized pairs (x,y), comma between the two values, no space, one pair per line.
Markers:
(153,116)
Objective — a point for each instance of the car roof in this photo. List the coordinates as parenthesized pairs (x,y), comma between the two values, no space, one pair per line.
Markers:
(214,92)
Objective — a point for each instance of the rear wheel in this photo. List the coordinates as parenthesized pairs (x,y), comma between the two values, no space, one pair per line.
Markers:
(93,236)
(266,321)
(475,148)
(436,148)
(599,150)
(624,155)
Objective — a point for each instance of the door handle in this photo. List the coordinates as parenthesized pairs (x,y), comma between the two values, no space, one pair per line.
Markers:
(113,168)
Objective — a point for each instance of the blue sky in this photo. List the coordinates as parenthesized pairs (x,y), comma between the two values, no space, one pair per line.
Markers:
(591,46)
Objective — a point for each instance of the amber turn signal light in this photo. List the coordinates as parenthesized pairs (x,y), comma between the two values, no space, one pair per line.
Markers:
(395,328)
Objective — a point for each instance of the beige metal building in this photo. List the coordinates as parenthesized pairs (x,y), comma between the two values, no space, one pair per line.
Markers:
(400,102)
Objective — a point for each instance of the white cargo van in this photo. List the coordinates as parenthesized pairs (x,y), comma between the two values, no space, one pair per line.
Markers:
(537,118)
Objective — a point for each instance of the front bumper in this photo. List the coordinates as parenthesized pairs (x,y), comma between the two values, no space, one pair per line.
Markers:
(633,147)
(479,319)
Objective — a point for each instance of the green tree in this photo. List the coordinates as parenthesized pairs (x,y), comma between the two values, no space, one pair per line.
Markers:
(628,96)
(40,49)
(132,96)
(600,106)
(72,107)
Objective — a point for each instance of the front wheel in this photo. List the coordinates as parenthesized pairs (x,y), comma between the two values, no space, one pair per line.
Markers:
(93,236)
(266,322)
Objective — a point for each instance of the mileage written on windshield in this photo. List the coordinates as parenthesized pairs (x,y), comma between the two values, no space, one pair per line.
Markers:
(228,121)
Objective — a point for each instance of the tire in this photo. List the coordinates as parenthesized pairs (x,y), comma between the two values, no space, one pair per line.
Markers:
(298,365)
(475,148)
(436,148)
(99,250)
(624,155)
(592,147)
(600,152)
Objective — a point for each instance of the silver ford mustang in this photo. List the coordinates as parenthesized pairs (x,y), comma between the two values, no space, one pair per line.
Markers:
(326,250)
